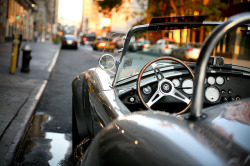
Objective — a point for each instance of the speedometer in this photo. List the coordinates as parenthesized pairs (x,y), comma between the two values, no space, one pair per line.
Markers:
(187,86)
(212,94)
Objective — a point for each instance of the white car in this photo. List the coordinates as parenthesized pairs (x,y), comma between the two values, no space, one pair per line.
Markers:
(187,51)
(165,47)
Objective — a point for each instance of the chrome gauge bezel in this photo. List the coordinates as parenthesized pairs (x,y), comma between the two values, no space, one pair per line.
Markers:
(187,91)
(147,90)
(176,82)
(220,80)
(211,80)
(214,92)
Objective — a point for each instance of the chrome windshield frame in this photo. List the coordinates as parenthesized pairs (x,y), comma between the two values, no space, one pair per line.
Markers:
(146,27)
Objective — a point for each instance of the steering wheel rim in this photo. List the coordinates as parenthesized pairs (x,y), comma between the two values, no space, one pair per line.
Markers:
(157,69)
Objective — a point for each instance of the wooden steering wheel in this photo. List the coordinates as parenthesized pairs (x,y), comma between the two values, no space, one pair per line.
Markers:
(165,86)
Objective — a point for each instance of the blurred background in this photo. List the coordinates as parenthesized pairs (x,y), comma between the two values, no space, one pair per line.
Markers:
(48,19)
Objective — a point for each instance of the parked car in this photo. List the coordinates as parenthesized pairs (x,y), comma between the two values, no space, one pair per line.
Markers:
(148,109)
(69,41)
(165,46)
(102,42)
(145,44)
(134,46)
(118,41)
(187,51)
(140,45)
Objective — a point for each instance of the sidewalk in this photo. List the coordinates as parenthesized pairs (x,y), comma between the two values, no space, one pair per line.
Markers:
(20,93)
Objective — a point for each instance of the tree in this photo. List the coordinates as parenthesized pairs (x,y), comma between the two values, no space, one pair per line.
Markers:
(106,6)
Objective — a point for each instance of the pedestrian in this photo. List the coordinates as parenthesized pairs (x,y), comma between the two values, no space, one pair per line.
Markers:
(35,36)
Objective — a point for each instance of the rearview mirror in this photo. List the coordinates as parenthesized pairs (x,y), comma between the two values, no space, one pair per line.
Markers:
(107,62)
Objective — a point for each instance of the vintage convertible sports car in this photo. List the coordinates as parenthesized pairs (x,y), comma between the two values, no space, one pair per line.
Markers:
(149,109)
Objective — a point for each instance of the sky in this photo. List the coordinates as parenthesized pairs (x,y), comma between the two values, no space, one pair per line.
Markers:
(70,11)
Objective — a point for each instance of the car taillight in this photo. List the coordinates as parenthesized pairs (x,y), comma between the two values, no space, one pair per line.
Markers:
(75,42)
(84,39)
(189,49)
(167,46)
(142,46)
(64,42)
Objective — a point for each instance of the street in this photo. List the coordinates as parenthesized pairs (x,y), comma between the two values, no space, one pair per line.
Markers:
(48,140)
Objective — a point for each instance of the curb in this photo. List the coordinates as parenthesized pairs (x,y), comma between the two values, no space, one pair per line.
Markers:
(26,113)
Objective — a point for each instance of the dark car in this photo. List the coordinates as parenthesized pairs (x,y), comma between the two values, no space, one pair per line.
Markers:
(83,38)
(69,41)
(149,109)
(88,38)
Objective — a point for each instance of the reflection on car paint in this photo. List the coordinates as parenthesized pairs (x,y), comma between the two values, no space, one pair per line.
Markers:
(239,111)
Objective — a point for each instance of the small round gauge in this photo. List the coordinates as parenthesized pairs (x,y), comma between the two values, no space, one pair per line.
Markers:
(147,90)
(211,80)
(176,82)
(220,80)
(212,94)
(187,86)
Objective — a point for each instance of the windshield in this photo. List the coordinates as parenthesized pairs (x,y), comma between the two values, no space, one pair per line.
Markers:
(184,44)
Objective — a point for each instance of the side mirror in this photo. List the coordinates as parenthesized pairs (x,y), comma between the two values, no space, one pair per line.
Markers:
(107,62)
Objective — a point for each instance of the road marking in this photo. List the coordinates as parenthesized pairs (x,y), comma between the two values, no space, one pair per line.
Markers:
(54,60)
(40,92)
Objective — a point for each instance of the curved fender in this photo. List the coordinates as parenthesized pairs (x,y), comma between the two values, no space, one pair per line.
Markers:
(79,92)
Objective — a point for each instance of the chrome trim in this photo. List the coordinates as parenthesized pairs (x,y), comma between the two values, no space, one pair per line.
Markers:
(145,27)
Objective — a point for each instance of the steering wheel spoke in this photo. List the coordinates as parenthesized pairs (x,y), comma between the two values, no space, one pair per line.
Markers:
(157,71)
(180,96)
(156,96)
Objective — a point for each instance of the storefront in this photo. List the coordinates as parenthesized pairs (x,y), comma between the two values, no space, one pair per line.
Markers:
(3,19)
(20,19)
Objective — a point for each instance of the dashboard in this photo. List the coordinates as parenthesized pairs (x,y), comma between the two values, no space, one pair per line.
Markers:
(219,88)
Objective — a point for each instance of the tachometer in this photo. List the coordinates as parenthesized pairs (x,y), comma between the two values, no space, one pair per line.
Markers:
(187,86)
(212,94)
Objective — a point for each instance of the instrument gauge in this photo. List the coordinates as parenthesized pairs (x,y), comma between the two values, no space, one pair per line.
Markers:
(211,80)
(147,90)
(187,86)
(176,82)
(212,94)
(220,80)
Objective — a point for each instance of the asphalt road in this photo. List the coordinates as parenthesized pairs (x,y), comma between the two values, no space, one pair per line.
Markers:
(49,138)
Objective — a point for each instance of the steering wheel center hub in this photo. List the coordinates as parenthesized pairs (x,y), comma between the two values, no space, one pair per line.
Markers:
(166,87)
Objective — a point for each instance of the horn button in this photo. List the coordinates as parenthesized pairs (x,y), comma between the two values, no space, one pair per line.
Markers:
(166,86)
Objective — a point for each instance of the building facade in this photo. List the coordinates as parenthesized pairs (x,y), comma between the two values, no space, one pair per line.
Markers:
(26,16)
(3,19)
(93,20)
